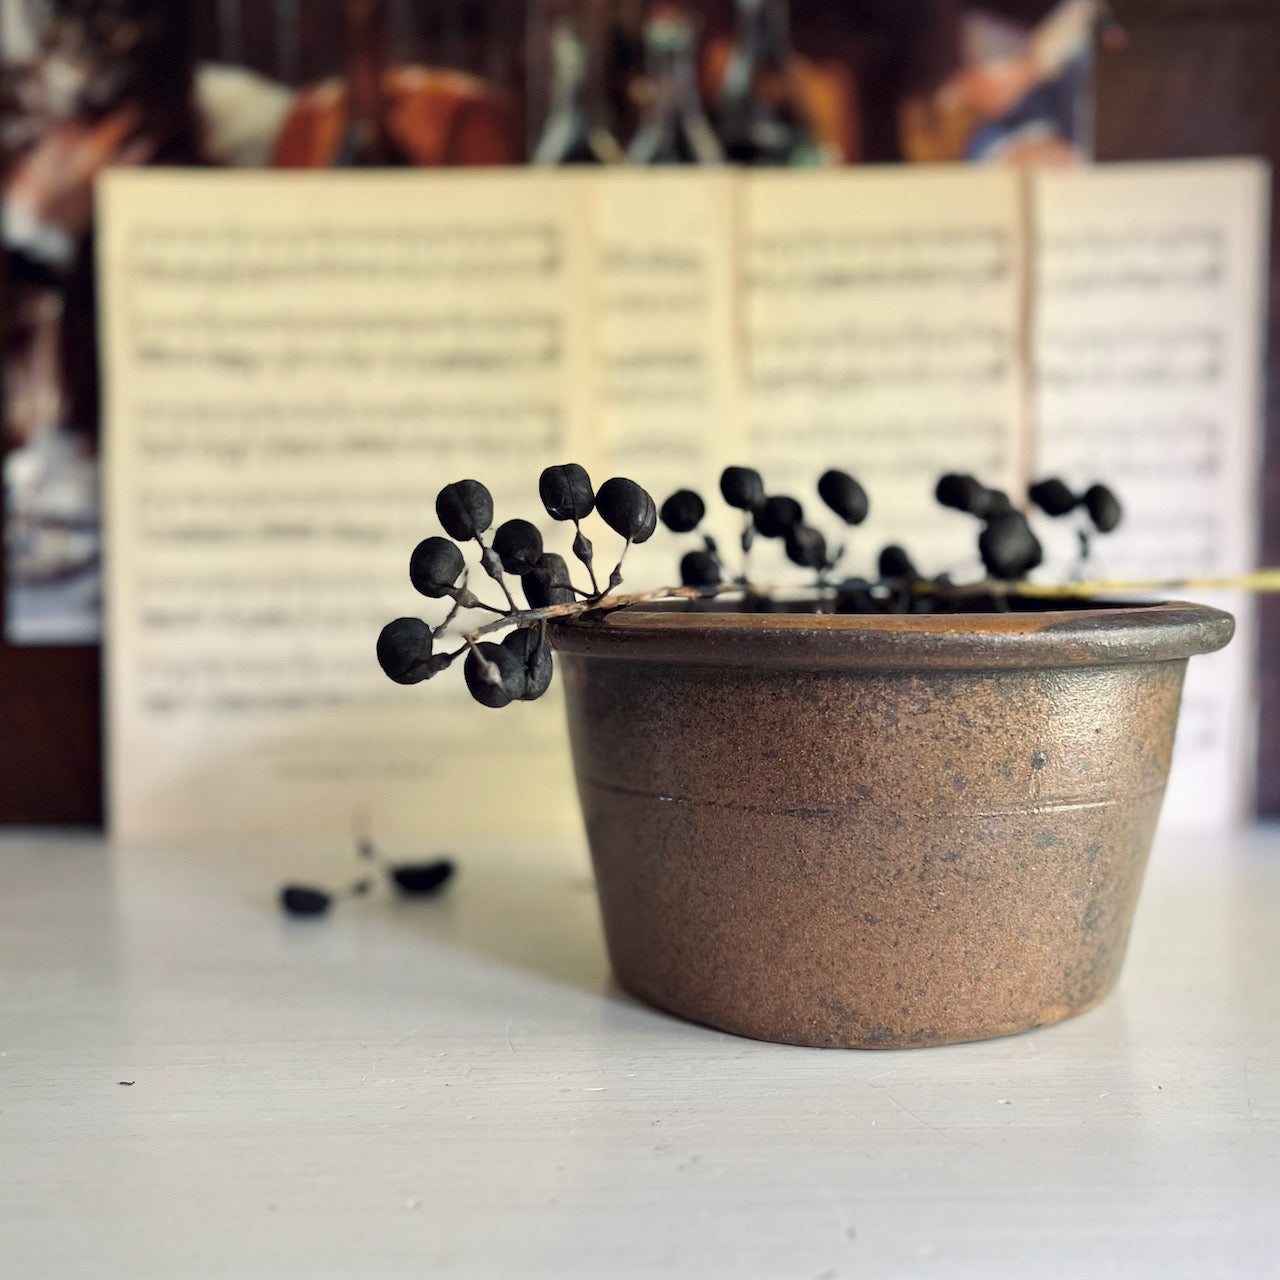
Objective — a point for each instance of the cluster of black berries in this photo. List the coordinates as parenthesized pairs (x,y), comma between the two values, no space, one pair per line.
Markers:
(412,879)
(519,667)
(1007,545)
(767,516)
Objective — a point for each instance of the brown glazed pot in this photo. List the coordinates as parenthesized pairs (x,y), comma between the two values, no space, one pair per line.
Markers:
(874,831)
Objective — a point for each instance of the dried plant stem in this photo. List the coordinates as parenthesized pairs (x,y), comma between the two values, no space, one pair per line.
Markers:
(525,617)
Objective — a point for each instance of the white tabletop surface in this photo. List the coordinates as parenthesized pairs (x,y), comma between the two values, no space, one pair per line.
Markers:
(454,1088)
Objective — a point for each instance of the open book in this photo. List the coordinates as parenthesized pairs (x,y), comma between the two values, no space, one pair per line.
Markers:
(295,364)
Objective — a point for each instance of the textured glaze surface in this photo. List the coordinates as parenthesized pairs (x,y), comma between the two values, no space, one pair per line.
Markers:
(826,847)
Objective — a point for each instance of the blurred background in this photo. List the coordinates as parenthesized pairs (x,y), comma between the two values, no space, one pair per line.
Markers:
(350,83)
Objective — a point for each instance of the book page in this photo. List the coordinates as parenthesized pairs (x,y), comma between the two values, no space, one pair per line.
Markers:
(884,327)
(295,365)
(671,409)
(1148,335)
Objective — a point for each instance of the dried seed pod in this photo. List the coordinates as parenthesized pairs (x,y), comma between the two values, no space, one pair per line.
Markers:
(302,900)
(806,547)
(743,488)
(465,509)
(566,492)
(549,582)
(404,651)
(422,879)
(1008,547)
(845,496)
(700,569)
(534,654)
(627,509)
(1053,497)
(961,492)
(896,564)
(778,516)
(518,545)
(435,567)
(1103,507)
(683,511)
(494,675)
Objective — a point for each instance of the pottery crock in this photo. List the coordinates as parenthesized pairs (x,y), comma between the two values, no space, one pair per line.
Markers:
(874,831)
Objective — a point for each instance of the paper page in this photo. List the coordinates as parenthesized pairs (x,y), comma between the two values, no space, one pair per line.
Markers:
(295,365)
(670,376)
(884,324)
(1148,333)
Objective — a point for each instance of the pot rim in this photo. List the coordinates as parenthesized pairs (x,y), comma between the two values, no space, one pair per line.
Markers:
(1097,634)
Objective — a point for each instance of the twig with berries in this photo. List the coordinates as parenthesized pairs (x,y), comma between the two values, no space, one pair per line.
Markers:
(518,667)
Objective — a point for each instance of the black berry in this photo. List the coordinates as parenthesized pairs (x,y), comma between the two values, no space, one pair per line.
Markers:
(494,675)
(518,544)
(422,879)
(845,496)
(404,651)
(995,503)
(1053,497)
(777,516)
(1008,547)
(548,583)
(299,900)
(683,511)
(743,488)
(1103,507)
(963,493)
(465,508)
(700,569)
(895,563)
(853,595)
(627,509)
(566,492)
(534,655)
(806,547)
(435,566)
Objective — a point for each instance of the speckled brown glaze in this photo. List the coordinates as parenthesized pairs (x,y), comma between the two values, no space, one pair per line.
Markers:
(874,832)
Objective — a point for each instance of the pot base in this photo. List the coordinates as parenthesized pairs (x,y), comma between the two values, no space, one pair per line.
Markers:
(772,1035)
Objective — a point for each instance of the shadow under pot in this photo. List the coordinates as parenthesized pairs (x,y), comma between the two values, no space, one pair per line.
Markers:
(874,831)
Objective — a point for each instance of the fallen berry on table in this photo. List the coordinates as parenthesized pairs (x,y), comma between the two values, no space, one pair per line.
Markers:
(300,900)
(420,879)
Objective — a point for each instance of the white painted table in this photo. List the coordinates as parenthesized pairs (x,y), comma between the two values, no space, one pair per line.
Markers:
(454,1089)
